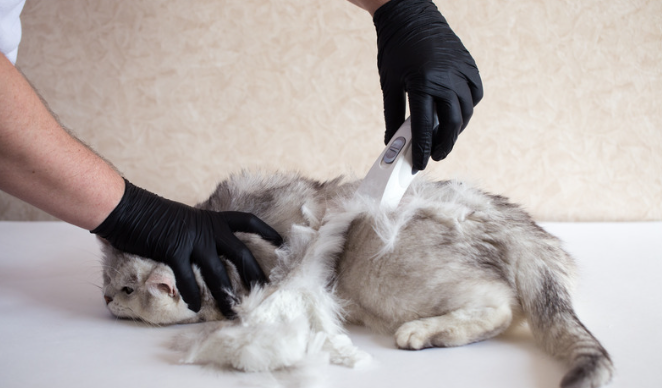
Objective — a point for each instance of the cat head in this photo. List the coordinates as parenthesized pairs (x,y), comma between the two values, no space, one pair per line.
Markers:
(142,289)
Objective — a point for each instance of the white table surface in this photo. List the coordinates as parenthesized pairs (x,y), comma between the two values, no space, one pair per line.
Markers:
(55,330)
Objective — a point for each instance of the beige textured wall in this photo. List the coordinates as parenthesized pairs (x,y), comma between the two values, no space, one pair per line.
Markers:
(178,94)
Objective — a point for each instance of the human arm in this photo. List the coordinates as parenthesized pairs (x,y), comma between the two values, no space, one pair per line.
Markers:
(369,5)
(419,54)
(42,164)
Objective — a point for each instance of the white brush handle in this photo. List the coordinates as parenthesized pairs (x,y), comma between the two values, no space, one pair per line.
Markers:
(392,172)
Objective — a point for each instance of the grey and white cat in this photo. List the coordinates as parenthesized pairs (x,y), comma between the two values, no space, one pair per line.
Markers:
(450,266)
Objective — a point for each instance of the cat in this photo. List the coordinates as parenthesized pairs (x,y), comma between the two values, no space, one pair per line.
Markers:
(452,265)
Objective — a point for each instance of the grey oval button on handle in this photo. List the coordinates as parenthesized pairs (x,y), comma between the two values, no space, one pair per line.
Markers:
(394,150)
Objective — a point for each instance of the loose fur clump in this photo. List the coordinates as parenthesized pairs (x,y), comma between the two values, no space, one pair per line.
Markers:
(450,266)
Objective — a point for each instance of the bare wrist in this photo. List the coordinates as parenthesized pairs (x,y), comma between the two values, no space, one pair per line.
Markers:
(369,5)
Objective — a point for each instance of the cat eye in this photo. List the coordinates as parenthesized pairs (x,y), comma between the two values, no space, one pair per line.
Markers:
(127,290)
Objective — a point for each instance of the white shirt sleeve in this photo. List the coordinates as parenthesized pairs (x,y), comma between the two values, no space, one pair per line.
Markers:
(10,27)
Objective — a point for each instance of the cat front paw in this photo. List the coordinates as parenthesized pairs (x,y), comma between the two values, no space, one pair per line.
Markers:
(343,352)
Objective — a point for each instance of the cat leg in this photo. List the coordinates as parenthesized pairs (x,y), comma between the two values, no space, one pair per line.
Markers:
(456,328)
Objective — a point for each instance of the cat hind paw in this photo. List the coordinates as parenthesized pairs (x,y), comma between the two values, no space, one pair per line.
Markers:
(412,336)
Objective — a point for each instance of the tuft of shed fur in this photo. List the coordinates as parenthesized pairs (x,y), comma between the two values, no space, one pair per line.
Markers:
(295,318)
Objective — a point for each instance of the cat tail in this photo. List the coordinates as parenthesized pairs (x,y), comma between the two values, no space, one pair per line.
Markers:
(544,291)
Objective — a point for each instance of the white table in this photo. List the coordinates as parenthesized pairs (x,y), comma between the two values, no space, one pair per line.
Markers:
(55,330)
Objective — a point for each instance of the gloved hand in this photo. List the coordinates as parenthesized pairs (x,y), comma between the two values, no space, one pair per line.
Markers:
(179,235)
(419,54)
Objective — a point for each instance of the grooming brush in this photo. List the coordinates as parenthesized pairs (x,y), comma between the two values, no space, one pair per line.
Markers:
(392,172)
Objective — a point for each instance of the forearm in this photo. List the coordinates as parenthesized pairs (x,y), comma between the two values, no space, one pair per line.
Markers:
(369,5)
(44,165)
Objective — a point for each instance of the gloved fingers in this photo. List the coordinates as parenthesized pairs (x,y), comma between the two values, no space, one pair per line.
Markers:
(249,223)
(465,100)
(235,251)
(215,276)
(450,125)
(422,110)
(395,105)
(186,283)
(475,85)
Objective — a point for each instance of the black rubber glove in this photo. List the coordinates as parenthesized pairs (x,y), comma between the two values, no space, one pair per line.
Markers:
(419,54)
(179,235)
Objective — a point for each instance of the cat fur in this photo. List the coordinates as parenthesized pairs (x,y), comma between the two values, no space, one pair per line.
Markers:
(450,266)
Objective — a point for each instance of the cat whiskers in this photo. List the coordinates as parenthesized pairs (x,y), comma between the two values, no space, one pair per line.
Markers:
(95,285)
(106,266)
(128,318)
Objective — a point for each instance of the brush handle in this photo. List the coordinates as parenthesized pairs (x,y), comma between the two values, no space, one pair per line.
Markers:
(392,172)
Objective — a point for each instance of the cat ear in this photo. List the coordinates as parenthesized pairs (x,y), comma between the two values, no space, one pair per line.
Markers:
(158,283)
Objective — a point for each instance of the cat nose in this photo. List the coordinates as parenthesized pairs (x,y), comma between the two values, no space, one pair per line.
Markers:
(108,299)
